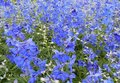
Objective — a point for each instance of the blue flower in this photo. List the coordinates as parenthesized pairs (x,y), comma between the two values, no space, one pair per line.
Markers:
(117,37)
(67,19)
(61,57)
(109,80)
(74,12)
(41,64)
(93,77)
(32,80)
(81,63)
(90,38)
(70,47)
(72,60)
(89,52)
(7,14)
(116,65)
(92,66)
(107,68)
(59,75)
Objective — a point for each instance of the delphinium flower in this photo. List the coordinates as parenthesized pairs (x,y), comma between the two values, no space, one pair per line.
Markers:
(117,37)
(63,35)
(25,53)
(63,61)
(65,18)
(14,31)
(95,73)
(21,16)
(22,53)
(89,52)
(106,67)
(68,19)
(90,38)
(111,45)
(81,63)
(113,53)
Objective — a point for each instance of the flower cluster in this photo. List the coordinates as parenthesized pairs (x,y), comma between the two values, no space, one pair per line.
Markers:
(24,55)
(62,60)
(94,23)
